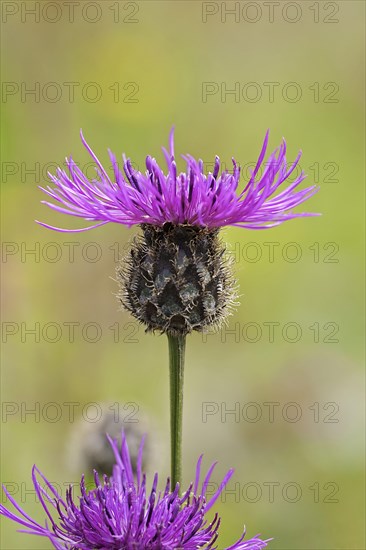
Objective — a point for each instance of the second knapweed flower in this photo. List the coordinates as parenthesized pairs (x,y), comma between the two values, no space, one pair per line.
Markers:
(177,278)
(119,513)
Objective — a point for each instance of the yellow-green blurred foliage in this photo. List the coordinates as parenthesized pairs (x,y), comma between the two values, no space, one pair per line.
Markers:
(168,53)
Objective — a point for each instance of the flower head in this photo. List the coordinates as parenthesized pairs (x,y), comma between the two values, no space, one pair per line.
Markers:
(155,196)
(119,514)
(177,278)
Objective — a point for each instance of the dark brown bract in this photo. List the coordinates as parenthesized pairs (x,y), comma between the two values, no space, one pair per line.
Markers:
(177,279)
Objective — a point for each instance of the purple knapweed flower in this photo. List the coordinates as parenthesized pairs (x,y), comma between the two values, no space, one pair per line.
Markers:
(176,278)
(119,514)
(191,197)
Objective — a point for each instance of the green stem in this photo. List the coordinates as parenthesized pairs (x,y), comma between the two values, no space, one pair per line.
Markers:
(177,345)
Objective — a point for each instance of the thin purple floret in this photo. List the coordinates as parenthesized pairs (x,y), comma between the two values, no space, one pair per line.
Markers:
(191,197)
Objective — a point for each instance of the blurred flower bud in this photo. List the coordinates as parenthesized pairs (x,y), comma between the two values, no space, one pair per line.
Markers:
(89,448)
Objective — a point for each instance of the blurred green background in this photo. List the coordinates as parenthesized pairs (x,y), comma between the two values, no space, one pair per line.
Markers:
(135,71)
